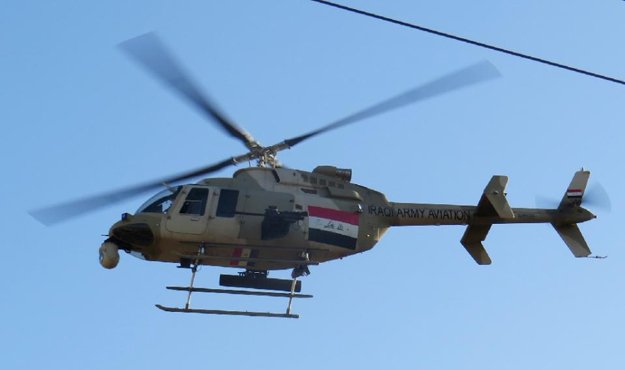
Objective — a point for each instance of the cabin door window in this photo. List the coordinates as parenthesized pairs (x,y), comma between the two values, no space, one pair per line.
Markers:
(190,215)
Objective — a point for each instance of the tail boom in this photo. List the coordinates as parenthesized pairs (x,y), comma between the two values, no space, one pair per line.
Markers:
(493,208)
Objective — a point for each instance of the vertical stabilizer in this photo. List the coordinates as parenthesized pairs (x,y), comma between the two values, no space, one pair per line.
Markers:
(575,191)
(571,202)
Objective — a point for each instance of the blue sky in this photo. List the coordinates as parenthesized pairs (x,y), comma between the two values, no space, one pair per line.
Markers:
(80,118)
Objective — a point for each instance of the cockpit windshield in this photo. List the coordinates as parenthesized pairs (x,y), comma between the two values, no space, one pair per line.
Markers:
(161,202)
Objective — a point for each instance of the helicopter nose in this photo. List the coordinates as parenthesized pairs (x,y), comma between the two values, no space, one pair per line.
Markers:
(134,234)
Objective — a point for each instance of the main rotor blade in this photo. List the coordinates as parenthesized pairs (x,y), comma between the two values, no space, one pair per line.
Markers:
(61,212)
(467,76)
(150,52)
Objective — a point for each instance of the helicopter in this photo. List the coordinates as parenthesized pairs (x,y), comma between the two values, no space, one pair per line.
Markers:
(270,217)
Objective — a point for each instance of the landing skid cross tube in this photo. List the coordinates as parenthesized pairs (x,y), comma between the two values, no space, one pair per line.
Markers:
(247,279)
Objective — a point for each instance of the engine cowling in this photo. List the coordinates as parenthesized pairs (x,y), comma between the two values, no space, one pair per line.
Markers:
(109,255)
(344,174)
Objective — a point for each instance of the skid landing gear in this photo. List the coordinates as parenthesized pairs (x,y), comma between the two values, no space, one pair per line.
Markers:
(301,270)
(248,279)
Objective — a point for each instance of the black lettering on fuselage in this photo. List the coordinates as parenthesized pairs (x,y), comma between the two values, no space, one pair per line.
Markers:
(380,211)
(429,213)
(449,214)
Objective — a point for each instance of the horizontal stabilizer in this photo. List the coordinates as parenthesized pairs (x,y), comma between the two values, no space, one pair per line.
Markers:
(493,201)
(472,242)
(573,239)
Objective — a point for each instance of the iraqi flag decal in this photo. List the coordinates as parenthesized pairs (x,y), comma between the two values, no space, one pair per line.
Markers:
(574,193)
(241,256)
(331,226)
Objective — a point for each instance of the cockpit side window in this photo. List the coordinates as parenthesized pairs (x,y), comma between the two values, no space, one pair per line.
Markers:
(161,202)
(227,203)
(195,204)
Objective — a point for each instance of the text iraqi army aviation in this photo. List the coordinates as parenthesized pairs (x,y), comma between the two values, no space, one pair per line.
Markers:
(269,217)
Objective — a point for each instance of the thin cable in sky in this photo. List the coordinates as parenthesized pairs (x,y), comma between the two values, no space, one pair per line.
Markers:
(472,42)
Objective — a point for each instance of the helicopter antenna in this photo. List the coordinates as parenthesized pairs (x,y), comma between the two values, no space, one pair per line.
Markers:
(472,42)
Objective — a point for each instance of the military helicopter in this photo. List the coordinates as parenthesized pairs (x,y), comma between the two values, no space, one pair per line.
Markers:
(270,217)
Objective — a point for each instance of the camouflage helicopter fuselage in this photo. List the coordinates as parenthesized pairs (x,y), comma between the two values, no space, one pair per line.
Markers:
(276,218)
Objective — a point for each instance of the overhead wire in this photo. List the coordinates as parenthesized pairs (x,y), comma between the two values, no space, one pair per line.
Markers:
(472,42)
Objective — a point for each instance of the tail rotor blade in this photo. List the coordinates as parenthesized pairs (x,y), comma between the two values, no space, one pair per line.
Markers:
(597,197)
